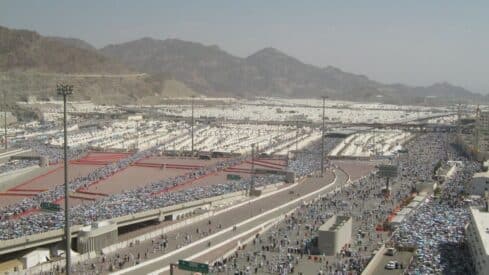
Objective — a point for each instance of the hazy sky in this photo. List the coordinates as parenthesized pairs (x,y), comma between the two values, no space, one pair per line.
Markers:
(412,42)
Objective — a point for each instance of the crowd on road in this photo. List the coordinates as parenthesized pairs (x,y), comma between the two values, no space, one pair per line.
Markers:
(308,161)
(151,196)
(436,230)
(290,246)
(16,164)
(57,192)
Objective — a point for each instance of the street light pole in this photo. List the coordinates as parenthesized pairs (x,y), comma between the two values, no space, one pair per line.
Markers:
(252,185)
(5,117)
(322,140)
(66,90)
(192,122)
(296,136)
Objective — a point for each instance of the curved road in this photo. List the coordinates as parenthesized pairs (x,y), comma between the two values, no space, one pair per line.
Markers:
(247,217)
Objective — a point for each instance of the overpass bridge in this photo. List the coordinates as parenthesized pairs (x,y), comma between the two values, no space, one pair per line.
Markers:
(173,212)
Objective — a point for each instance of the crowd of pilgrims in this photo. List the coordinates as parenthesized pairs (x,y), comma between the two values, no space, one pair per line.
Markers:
(435,227)
(290,248)
(131,201)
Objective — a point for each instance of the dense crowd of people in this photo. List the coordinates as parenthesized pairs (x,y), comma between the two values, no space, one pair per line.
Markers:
(290,245)
(308,161)
(287,247)
(436,231)
(16,164)
(137,200)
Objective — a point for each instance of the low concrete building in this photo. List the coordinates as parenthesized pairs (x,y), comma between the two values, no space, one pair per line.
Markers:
(334,234)
(97,236)
(479,184)
(477,239)
(33,258)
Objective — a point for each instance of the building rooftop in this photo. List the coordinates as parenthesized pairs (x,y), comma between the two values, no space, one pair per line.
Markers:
(334,223)
(481,175)
(481,219)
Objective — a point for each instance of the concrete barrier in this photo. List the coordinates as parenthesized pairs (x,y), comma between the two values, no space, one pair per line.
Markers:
(374,262)
(310,196)
(264,229)
(13,152)
(5,178)
(83,257)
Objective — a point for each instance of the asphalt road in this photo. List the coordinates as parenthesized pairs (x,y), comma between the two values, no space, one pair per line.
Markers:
(179,248)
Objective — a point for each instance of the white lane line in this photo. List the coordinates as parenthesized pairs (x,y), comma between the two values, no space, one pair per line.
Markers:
(160,258)
(212,248)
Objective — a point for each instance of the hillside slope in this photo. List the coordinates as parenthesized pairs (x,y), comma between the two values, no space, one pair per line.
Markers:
(268,72)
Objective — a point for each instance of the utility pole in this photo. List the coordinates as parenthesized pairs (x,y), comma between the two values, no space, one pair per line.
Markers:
(192,123)
(322,139)
(477,129)
(252,184)
(5,117)
(137,136)
(296,136)
(66,90)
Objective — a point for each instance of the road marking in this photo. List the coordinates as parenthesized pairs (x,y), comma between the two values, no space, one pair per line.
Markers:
(163,257)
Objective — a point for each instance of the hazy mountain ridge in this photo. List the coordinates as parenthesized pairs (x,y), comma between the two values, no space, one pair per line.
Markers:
(268,72)
(74,42)
(26,50)
(196,68)
(32,65)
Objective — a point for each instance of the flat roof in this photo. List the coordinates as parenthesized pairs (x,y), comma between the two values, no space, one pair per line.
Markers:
(482,222)
(339,221)
(481,175)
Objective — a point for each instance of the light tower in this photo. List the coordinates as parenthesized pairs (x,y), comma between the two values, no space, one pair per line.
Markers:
(66,90)
(296,136)
(192,125)
(322,138)
(252,183)
(5,117)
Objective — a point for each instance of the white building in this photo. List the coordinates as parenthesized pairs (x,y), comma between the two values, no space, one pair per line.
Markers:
(97,236)
(33,258)
(477,239)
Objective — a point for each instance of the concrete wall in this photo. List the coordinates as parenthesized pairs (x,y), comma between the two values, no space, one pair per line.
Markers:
(334,234)
(5,178)
(96,237)
(34,258)
(13,152)
(480,256)
(375,261)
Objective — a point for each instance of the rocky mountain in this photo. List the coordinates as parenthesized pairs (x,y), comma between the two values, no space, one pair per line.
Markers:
(146,69)
(268,72)
(32,65)
(27,50)
(73,42)
(206,69)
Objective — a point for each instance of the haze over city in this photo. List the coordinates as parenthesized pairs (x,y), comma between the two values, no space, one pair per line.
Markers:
(416,43)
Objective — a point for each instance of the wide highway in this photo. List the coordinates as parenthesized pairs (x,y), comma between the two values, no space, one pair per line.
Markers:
(230,226)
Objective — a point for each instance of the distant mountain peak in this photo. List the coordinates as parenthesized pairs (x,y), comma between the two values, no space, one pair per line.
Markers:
(27,50)
(73,42)
(269,52)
